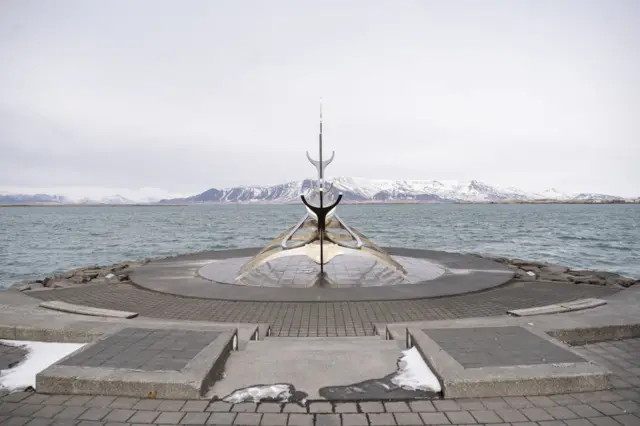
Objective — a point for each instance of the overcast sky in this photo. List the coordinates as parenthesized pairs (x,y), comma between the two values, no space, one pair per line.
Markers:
(188,95)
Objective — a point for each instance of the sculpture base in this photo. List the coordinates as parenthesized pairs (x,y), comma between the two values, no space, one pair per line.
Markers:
(211,275)
(302,272)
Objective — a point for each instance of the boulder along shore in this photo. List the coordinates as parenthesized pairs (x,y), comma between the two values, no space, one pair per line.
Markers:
(525,270)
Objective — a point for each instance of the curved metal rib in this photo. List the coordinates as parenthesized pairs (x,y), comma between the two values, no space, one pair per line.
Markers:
(353,234)
(293,231)
(321,165)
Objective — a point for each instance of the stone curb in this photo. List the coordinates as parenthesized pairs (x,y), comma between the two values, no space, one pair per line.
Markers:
(57,305)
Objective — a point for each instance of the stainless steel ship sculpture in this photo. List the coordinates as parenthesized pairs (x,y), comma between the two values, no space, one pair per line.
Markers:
(321,235)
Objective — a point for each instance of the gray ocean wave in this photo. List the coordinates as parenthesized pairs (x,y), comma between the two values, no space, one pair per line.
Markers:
(38,241)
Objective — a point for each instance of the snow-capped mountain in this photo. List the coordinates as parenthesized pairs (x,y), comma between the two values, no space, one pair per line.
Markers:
(353,189)
(372,190)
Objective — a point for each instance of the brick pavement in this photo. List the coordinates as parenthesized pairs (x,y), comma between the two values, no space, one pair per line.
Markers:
(617,407)
(324,318)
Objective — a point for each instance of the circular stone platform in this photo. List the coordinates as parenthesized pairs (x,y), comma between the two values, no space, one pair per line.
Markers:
(211,275)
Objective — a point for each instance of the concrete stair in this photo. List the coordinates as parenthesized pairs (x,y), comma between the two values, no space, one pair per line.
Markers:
(309,363)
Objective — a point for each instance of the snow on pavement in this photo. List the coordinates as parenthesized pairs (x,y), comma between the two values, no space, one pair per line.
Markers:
(40,355)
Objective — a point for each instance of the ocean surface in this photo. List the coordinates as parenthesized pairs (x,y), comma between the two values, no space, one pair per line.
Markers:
(37,241)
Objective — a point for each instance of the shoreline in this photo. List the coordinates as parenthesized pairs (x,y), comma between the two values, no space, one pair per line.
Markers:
(401,202)
(525,271)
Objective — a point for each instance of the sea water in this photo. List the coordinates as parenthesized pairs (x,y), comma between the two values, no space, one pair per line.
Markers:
(38,241)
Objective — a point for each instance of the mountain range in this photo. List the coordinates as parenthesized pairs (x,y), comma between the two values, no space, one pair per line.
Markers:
(354,190)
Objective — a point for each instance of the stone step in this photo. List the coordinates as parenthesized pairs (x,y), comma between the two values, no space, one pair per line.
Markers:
(332,368)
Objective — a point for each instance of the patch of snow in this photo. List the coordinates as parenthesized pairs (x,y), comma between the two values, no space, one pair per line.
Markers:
(531,273)
(40,355)
(255,394)
(414,374)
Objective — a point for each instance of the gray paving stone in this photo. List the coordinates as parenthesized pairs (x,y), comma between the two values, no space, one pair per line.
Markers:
(564,399)
(422,406)
(536,414)
(550,423)
(16,396)
(37,422)
(486,416)
(170,405)
(221,418)
(578,422)
(294,408)
(16,421)
(327,420)
(320,407)
(48,411)
(297,419)
(584,410)
(627,419)
(8,407)
(407,419)
(446,405)
(603,421)
(381,419)
(511,416)
(144,416)
(274,419)
(561,413)
(116,424)
(244,407)
(248,419)
(70,413)
(95,414)
(628,406)
(494,403)
(147,404)
(354,420)
(169,417)
(456,418)
(78,400)
(607,408)
(26,410)
(90,423)
(195,406)
(371,407)
(470,404)
(518,402)
(119,415)
(100,401)
(124,402)
(345,407)
(56,400)
(195,418)
(219,406)
(397,407)
(269,407)
(542,401)
(35,398)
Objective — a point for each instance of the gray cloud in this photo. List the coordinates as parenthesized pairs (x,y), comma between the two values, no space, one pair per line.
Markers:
(188,95)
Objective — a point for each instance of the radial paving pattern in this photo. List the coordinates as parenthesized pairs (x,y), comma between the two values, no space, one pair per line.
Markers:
(323,318)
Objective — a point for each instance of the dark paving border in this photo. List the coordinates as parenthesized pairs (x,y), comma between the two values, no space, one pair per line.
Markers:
(179,276)
(324,318)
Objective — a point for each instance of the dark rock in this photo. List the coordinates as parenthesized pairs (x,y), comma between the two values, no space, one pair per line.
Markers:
(520,262)
(554,269)
(63,284)
(531,268)
(46,281)
(588,279)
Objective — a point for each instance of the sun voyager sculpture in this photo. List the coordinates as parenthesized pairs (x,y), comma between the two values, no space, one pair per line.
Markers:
(321,235)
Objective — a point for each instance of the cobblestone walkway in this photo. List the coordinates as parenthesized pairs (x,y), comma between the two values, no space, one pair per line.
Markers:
(617,407)
(323,318)
(10,355)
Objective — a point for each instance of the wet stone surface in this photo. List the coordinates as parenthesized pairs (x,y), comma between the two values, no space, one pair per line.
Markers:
(10,356)
(144,349)
(499,347)
(342,271)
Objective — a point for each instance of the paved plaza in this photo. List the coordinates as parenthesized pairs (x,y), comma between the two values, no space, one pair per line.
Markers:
(179,358)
